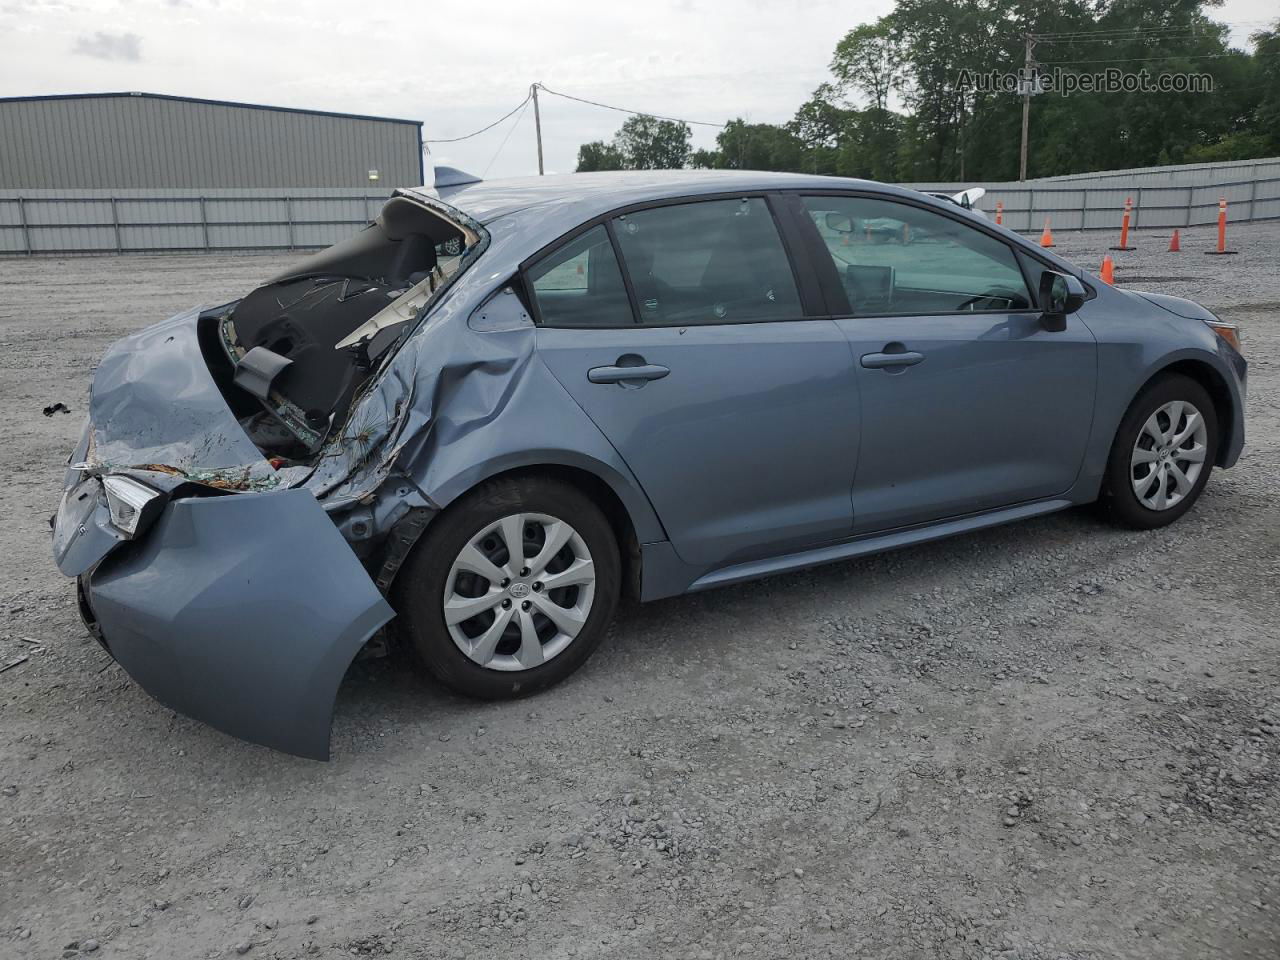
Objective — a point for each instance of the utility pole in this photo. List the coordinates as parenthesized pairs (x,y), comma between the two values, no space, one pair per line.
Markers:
(537,125)
(1026,106)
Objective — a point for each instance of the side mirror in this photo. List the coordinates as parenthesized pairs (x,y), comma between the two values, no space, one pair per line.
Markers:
(839,223)
(1060,294)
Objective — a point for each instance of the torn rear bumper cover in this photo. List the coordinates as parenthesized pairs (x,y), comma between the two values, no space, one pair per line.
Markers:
(213,622)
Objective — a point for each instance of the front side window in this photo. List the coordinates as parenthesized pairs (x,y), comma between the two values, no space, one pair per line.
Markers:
(715,261)
(580,285)
(894,258)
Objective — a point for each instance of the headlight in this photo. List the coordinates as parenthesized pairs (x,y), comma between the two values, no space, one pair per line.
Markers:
(133,505)
(1227,331)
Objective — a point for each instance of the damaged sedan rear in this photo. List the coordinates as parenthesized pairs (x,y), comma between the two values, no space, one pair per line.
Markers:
(206,562)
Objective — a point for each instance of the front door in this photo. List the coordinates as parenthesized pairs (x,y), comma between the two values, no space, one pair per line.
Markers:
(737,414)
(968,403)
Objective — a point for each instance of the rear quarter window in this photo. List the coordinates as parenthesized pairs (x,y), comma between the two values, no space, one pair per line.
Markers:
(581,285)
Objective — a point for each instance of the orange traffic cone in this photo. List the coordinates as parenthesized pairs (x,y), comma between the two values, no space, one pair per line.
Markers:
(1046,238)
(1124,226)
(1222,230)
(1108,272)
(1175,244)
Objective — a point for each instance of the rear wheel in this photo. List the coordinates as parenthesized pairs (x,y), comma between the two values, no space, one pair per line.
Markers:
(1162,454)
(512,588)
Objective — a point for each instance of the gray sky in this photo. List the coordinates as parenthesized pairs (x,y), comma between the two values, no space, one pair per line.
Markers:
(455,66)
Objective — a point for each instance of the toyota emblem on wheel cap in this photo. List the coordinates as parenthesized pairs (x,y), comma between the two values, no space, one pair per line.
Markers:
(519,590)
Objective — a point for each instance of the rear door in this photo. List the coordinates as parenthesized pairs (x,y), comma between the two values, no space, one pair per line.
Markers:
(682,331)
(968,402)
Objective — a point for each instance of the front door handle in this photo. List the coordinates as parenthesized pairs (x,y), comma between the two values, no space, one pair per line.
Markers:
(640,373)
(880,361)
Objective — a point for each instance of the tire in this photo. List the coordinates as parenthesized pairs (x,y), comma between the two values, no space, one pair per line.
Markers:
(450,557)
(1129,470)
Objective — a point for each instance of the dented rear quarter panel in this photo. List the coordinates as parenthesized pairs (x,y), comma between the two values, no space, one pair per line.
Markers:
(465,399)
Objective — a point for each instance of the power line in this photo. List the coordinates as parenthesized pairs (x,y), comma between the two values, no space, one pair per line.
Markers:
(637,113)
(485,128)
(1167,56)
(1139,34)
(1120,39)
(1207,28)
(523,107)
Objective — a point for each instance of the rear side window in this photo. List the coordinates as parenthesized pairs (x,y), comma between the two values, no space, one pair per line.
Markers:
(716,261)
(580,285)
(894,258)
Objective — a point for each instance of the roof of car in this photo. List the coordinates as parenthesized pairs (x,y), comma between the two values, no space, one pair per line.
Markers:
(583,196)
(535,211)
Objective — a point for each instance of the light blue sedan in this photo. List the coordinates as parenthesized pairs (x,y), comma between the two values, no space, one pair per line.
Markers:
(501,405)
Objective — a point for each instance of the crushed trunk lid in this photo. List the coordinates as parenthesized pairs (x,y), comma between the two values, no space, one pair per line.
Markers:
(302,346)
(154,406)
(243,396)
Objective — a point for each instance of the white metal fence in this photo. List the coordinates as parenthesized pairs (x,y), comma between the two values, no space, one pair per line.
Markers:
(1027,207)
(97,222)
(1181,196)
(51,222)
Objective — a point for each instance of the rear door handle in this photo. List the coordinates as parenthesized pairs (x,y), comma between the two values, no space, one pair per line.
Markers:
(879,361)
(616,374)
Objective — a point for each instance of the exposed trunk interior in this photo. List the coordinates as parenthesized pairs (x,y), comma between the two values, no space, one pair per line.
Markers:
(290,356)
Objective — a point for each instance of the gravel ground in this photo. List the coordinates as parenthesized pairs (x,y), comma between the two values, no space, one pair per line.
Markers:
(1049,740)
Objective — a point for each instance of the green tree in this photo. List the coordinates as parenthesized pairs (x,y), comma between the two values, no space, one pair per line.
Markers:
(868,60)
(1266,114)
(894,109)
(642,143)
(647,143)
(1254,129)
(753,146)
(822,126)
(598,155)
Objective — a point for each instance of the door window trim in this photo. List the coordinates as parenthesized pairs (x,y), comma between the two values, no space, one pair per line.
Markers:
(829,279)
(813,304)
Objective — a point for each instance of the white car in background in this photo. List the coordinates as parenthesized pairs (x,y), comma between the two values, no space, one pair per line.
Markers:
(965,198)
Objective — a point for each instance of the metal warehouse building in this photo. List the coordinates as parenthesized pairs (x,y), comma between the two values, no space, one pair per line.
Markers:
(126,172)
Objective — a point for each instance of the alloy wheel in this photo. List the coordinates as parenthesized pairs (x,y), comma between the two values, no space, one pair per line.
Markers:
(1168,455)
(519,592)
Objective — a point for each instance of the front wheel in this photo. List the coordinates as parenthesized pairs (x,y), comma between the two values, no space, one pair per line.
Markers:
(1162,454)
(512,588)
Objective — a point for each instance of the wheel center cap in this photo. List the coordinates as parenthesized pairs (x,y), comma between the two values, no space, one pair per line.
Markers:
(519,590)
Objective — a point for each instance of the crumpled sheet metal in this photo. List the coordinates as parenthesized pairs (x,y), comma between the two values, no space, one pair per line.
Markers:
(154,406)
(427,419)
(446,382)
(250,635)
